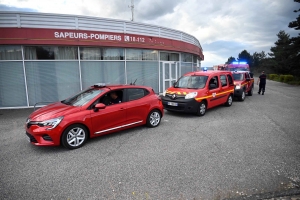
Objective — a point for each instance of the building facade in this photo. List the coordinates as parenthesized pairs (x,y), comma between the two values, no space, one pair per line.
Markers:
(49,57)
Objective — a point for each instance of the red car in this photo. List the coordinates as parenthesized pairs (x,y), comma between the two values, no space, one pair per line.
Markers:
(101,109)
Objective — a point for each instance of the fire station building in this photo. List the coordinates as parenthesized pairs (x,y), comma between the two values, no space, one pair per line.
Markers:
(49,57)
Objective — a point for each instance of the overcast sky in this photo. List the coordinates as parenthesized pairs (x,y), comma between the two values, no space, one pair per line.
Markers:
(224,28)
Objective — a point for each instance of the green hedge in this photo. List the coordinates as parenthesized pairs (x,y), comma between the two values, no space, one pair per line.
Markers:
(273,76)
(281,78)
(288,78)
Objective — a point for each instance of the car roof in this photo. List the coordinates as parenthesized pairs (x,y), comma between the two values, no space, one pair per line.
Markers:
(118,86)
(207,73)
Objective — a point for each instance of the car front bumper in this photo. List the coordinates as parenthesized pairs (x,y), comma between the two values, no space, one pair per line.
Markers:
(180,105)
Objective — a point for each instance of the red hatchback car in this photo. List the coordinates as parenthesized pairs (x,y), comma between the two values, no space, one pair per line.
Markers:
(101,109)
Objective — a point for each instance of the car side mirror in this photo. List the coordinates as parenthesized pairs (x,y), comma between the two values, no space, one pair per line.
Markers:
(251,74)
(99,106)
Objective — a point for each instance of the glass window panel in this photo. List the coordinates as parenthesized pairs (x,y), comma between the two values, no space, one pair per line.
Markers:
(141,54)
(30,53)
(174,57)
(186,67)
(165,56)
(134,54)
(10,53)
(109,72)
(65,53)
(149,55)
(186,57)
(113,53)
(167,71)
(12,84)
(90,53)
(195,59)
(50,53)
(144,72)
(51,81)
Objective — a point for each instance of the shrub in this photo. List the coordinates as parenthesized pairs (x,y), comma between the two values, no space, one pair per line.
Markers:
(288,78)
(281,78)
(272,76)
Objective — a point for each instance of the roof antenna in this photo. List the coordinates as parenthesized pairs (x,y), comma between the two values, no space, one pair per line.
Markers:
(132,10)
(133,82)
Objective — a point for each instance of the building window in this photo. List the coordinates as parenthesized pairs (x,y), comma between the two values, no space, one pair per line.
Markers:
(50,53)
(92,53)
(10,53)
(186,57)
(195,59)
(112,54)
(141,54)
(165,56)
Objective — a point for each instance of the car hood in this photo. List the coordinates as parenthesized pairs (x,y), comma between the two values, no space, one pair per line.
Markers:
(52,111)
(180,91)
(237,82)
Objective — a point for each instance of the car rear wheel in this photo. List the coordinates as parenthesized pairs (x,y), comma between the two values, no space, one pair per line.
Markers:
(229,101)
(153,118)
(251,91)
(243,96)
(74,136)
(201,109)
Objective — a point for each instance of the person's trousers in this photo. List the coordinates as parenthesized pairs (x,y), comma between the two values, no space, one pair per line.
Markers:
(262,88)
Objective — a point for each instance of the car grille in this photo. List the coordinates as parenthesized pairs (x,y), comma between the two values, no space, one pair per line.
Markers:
(32,139)
(179,108)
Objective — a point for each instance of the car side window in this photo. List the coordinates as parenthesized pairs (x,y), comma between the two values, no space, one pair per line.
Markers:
(230,79)
(112,97)
(247,75)
(136,93)
(213,83)
(223,80)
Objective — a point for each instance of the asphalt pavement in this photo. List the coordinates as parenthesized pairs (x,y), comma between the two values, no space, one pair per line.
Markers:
(250,150)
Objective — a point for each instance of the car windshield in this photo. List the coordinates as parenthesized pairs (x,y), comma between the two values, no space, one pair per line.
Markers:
(83,97)
(238,77)
(191,82)
(238,69)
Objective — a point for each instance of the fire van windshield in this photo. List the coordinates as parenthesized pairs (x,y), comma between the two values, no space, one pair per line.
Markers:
(191,82)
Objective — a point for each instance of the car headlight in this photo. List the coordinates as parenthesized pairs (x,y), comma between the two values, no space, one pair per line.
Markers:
(191,95)
(238,87)
(51,123)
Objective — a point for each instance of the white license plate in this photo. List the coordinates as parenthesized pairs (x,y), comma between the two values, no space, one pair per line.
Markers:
(172,104)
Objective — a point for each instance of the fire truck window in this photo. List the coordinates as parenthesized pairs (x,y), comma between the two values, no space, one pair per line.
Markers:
(230,80)
(214,83)
(223,80)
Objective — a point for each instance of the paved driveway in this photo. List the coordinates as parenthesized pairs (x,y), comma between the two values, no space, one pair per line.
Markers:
(249,148)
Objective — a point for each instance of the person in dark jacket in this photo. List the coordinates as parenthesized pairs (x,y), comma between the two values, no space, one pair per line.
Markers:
(114,98)
(262,83)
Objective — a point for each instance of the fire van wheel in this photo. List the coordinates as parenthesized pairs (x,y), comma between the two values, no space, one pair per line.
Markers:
(251,91)
(74,136)
(153,118)
(229,101)
(243,96)
(201,108)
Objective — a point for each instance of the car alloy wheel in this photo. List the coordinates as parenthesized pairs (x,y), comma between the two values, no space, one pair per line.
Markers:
(201,109)
(242,98)
(154,118)
(229,101)
(74,136)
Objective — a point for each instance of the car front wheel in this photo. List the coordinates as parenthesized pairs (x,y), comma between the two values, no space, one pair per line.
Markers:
(229,101)
(243,96)
(153,118)
(74,136)
(201,109)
